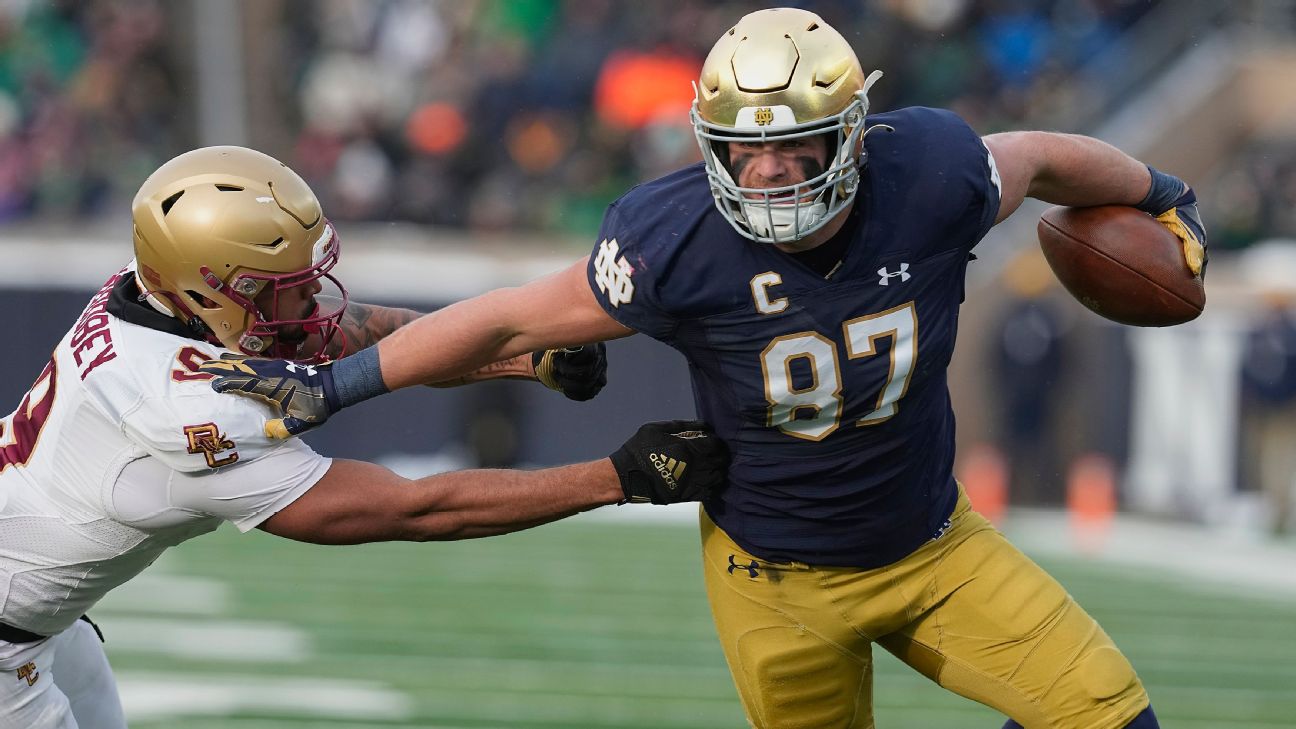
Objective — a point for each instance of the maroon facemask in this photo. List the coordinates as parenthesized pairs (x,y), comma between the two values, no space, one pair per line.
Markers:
(246,286)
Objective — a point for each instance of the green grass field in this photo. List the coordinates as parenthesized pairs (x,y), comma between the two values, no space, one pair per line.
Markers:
(580,625)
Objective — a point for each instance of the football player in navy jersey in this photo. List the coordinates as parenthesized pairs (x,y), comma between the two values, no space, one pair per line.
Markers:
(811,270)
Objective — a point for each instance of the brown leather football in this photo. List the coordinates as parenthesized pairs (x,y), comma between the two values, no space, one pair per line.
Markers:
(1122,264)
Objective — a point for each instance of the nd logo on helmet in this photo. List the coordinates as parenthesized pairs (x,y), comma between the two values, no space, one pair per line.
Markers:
(764,115)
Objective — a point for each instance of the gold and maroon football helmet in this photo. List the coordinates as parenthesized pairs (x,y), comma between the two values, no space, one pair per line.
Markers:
(780,74)
(217,227)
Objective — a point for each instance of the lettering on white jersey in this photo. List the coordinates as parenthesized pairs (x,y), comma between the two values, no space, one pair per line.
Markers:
(612,274)
(21,430)
(759,285)
(91,342)
(209,441)
(188,359)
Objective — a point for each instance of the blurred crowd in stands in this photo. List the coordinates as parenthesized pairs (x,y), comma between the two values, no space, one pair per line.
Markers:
(89,105)
(1254,197)
(506,115)
(534,114)
(494,114)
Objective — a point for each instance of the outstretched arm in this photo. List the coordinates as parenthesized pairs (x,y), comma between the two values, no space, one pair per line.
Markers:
(359,502)
(364,325)
(556,311)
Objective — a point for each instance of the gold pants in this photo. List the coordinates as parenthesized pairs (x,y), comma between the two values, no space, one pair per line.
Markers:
(969,611)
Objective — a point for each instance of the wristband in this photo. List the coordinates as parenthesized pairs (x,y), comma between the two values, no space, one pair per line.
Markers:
(358,377)
(1163,194)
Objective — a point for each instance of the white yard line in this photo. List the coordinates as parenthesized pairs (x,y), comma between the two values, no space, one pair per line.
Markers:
(241,641)
(151,696)
(158,590)
(226,722)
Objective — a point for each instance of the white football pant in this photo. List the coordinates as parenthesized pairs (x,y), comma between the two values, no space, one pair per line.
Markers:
(60,683)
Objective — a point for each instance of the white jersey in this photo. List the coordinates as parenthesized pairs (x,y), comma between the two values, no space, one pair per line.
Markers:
(120,450)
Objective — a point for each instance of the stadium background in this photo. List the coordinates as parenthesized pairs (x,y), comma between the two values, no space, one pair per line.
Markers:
(461,146)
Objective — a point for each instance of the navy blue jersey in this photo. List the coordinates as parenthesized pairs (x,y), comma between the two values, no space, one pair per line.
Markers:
(831,393)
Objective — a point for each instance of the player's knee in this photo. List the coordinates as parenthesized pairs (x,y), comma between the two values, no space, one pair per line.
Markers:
(795,680)
(1109,690)
(1105,674)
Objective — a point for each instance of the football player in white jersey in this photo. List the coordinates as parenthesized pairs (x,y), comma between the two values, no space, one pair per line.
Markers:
(121,449)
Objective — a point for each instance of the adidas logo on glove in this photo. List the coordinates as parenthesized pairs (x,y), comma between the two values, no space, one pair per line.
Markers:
(670,469)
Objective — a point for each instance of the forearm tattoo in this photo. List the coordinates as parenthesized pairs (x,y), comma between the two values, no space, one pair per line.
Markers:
(517,368)
(365,324)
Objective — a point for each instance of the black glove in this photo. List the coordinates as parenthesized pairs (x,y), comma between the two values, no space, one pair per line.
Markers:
(672,461)
(303,394)
(577,372)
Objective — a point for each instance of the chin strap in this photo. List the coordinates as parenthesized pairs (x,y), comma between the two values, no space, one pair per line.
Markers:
(864,107)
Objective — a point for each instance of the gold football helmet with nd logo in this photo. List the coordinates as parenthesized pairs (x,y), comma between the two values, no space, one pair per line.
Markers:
(220,230)
(782,74)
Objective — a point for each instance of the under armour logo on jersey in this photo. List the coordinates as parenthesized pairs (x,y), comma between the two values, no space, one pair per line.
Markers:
(885,276)
(308,369)
(28,671)
(612,274)
(753,569)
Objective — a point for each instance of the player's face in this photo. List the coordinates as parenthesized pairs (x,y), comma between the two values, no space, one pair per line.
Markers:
(786,162)
(297,302)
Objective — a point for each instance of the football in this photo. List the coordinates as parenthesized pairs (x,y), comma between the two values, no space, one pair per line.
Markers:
(1122,264)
